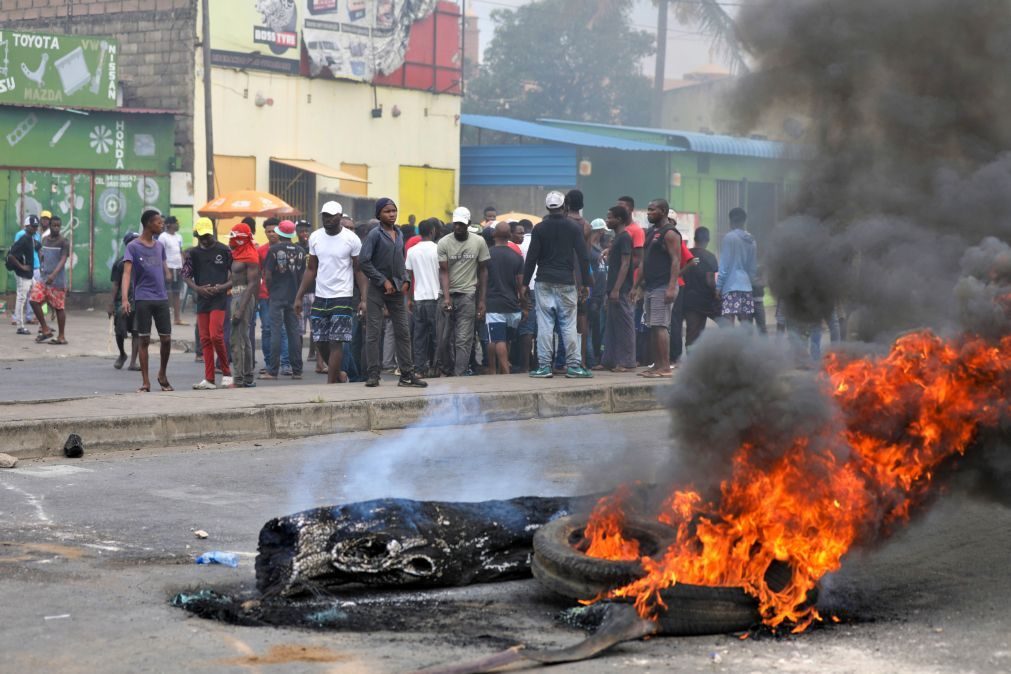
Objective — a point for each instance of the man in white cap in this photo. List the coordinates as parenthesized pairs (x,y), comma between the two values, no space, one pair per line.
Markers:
(463,273)
(332,269)
(557,246)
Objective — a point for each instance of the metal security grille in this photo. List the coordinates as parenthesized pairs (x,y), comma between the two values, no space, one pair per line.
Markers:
(729,194)
(295,186)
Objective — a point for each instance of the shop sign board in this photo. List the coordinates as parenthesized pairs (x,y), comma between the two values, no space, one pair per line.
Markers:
(63,70)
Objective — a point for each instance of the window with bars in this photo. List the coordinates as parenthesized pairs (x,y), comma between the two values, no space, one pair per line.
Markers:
(295,186)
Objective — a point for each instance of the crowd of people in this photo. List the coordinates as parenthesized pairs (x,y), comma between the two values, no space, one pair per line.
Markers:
(563,296)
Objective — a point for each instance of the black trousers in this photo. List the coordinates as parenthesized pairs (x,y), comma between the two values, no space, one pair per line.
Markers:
(425,333)
(397,309)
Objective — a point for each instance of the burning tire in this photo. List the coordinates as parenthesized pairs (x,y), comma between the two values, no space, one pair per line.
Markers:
(561,567)
(560,564)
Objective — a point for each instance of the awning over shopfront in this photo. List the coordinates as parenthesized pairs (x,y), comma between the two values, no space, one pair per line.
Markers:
(319,168)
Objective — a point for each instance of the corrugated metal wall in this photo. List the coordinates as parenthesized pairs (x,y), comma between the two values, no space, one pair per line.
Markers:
(536,164)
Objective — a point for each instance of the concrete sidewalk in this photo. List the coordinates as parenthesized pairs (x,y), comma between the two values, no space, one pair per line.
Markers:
(89,333)
(132,420)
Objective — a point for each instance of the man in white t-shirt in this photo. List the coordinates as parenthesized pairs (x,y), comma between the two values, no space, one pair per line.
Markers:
(423,263)
(332,268)
(173,244)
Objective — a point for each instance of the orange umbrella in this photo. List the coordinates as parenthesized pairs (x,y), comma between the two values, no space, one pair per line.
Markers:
(246,202)
(508,217)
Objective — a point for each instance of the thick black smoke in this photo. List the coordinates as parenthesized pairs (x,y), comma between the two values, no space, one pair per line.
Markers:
(908,105)
(902,218)
(734,389)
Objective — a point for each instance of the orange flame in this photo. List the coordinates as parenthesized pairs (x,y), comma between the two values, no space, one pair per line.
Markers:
(604,530)
(901,417)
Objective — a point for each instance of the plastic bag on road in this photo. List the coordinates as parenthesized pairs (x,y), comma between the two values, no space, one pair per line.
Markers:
(216,557)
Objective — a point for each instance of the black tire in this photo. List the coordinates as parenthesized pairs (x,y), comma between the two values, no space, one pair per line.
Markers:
(572,574)
(694,610)
(691,609)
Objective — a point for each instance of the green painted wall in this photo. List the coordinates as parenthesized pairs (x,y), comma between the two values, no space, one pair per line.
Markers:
(642,175)
(109,140)
(97,209)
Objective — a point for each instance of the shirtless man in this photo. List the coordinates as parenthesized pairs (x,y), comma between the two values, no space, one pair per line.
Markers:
(245,288)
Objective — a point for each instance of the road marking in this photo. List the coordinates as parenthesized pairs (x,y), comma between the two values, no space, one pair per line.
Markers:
(34,501)
(58,470)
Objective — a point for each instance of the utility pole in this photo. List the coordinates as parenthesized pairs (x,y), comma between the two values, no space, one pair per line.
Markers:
(661,63)
(208,118)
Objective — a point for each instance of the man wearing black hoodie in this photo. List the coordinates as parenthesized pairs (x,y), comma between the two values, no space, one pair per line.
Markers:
(557,246)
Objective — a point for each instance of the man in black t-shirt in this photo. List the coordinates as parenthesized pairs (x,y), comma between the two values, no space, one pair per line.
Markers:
(123,323)
(504,300)
(619,326)
(283,271)
(701,302)
(21,261)
(207,271)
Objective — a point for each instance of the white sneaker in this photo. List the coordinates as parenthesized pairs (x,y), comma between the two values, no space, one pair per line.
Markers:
(226,382)
(204,386)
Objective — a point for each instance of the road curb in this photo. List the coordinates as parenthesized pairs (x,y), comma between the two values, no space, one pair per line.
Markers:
(116,433)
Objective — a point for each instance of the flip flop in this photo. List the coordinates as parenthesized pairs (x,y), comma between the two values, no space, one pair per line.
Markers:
(657,375)
(43,337)
(144,389)
(621,369)
(165,385)
(58,341)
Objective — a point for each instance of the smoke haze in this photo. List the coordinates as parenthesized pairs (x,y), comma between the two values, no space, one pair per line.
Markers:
(907,102)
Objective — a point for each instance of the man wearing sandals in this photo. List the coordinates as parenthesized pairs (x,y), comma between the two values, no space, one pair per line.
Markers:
(145,269)
(51,287)
(658,284)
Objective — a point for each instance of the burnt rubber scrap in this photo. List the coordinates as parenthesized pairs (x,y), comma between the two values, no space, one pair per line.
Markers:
(400,542)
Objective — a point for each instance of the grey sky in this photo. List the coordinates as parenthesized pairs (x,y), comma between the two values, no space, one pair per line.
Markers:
(687,50)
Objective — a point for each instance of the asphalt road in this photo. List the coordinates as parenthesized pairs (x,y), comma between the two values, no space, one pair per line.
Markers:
(91,551)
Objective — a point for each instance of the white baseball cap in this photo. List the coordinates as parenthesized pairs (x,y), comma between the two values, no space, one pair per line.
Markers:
(462,215)
(554,200)
(332,208)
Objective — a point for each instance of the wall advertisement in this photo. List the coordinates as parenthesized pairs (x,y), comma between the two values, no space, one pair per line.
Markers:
(86,140)
(64,70)
(349,39)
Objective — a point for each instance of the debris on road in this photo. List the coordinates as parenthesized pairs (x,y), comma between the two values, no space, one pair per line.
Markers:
(74,447)
(399,542)
(200,533)
(8,461)
(62,616)
(217,557)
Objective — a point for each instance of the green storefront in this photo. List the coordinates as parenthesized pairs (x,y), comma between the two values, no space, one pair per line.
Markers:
(703,177)
(96,169)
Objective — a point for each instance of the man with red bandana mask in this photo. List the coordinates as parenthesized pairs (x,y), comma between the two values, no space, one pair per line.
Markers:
(245,286)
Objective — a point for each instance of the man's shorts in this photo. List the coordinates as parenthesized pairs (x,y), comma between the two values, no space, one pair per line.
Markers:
(177,280)
(655,310)
(153,310)
(126,324)
(499,325)
(332,319)
(738,303)
(54,297)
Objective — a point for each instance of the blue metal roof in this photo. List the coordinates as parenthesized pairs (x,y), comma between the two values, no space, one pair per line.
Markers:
(539,164)
(710,143)
(556,135)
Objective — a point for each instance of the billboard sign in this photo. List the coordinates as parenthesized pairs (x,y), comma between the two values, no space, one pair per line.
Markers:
(346,39)
(61,70)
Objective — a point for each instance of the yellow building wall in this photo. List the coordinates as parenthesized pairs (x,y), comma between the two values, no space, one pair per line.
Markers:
(331,122)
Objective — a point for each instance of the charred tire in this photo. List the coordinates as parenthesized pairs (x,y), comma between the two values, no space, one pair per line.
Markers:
(559,566)
(694,610)
(562,568)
